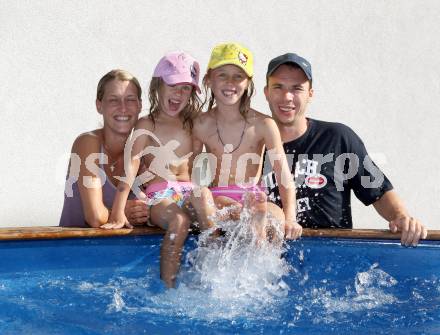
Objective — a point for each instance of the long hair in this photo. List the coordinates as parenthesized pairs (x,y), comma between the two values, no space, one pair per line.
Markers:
(187,115)
(245,101)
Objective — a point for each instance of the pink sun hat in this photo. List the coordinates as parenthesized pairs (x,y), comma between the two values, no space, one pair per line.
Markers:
(178,67)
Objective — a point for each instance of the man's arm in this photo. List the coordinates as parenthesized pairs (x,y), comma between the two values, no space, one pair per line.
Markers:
(391,208)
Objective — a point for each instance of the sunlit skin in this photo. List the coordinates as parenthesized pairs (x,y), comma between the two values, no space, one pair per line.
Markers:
(228,84)
(120,107)
(288,93)
(167,132)
(247,138)
(173,99)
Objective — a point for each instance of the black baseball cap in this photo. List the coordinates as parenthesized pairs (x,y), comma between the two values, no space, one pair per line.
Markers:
(290,58)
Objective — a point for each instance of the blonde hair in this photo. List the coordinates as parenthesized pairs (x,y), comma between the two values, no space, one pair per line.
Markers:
(117,74)
(187,115)
(245,101)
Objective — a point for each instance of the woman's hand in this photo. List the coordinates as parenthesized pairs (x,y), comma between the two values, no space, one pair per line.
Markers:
(117,221)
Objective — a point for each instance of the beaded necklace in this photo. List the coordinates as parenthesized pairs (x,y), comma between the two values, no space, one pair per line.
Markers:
(221,140)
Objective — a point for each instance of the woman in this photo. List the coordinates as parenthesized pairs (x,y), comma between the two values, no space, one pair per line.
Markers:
(97,157)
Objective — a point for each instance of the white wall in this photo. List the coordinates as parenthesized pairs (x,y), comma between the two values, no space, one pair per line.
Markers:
(376,68)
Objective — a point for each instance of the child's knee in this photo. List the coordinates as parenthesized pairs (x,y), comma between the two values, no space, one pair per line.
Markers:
(202,194)
(275,212)
(179,225)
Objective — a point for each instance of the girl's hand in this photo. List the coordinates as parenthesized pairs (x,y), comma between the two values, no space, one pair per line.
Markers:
(293,230)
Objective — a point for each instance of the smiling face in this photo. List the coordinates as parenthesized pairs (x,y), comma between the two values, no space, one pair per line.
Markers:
(228,83)
(173,99)
(119,106)
(288,93)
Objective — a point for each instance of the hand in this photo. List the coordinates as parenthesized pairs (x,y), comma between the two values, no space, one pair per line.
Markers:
(293,230)
(412,230)
(117,221)
(137,212)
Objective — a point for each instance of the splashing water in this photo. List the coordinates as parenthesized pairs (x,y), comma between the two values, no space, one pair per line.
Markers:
(370,293)
(238,265)
(235,274)
(373,278)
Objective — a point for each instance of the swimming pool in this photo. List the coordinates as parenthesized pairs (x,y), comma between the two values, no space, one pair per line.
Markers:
(110,285)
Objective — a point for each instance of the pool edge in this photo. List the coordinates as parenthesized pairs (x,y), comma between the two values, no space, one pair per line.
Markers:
(50,232)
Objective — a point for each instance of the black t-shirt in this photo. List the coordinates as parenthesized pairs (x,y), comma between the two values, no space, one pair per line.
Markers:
(328,161)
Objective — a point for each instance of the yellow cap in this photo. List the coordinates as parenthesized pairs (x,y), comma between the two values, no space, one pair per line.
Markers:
(234,54)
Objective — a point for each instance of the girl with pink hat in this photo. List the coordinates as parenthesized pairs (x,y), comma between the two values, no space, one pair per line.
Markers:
(162,140)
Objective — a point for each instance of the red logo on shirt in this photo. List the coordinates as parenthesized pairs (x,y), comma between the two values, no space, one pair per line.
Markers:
(316,181)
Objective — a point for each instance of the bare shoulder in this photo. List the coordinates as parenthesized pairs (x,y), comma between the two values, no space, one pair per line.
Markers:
(145,123)
(260,120)
(202,118)
(89,142)
(203,121)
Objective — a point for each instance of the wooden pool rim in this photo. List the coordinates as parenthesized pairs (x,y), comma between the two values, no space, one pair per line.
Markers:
(34,233)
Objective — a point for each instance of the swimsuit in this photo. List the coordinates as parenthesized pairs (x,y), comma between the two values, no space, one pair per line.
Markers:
(178,191)
(235,192)
(72,214)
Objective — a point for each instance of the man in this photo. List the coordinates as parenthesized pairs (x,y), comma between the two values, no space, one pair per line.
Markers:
(328,159)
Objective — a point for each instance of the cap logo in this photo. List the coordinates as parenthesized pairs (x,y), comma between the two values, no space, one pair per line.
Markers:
(170,67)
(193,71)
(242,58)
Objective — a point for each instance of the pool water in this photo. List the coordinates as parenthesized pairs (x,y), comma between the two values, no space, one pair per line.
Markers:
(317,286)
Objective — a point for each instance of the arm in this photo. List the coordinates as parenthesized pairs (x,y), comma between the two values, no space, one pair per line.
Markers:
(87,147)
(391,208)
(197,148)
(384,199)
(118,218)
(272,139)
(136,210)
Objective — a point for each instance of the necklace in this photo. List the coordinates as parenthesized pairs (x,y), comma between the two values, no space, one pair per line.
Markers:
(112,166)
(228,147)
